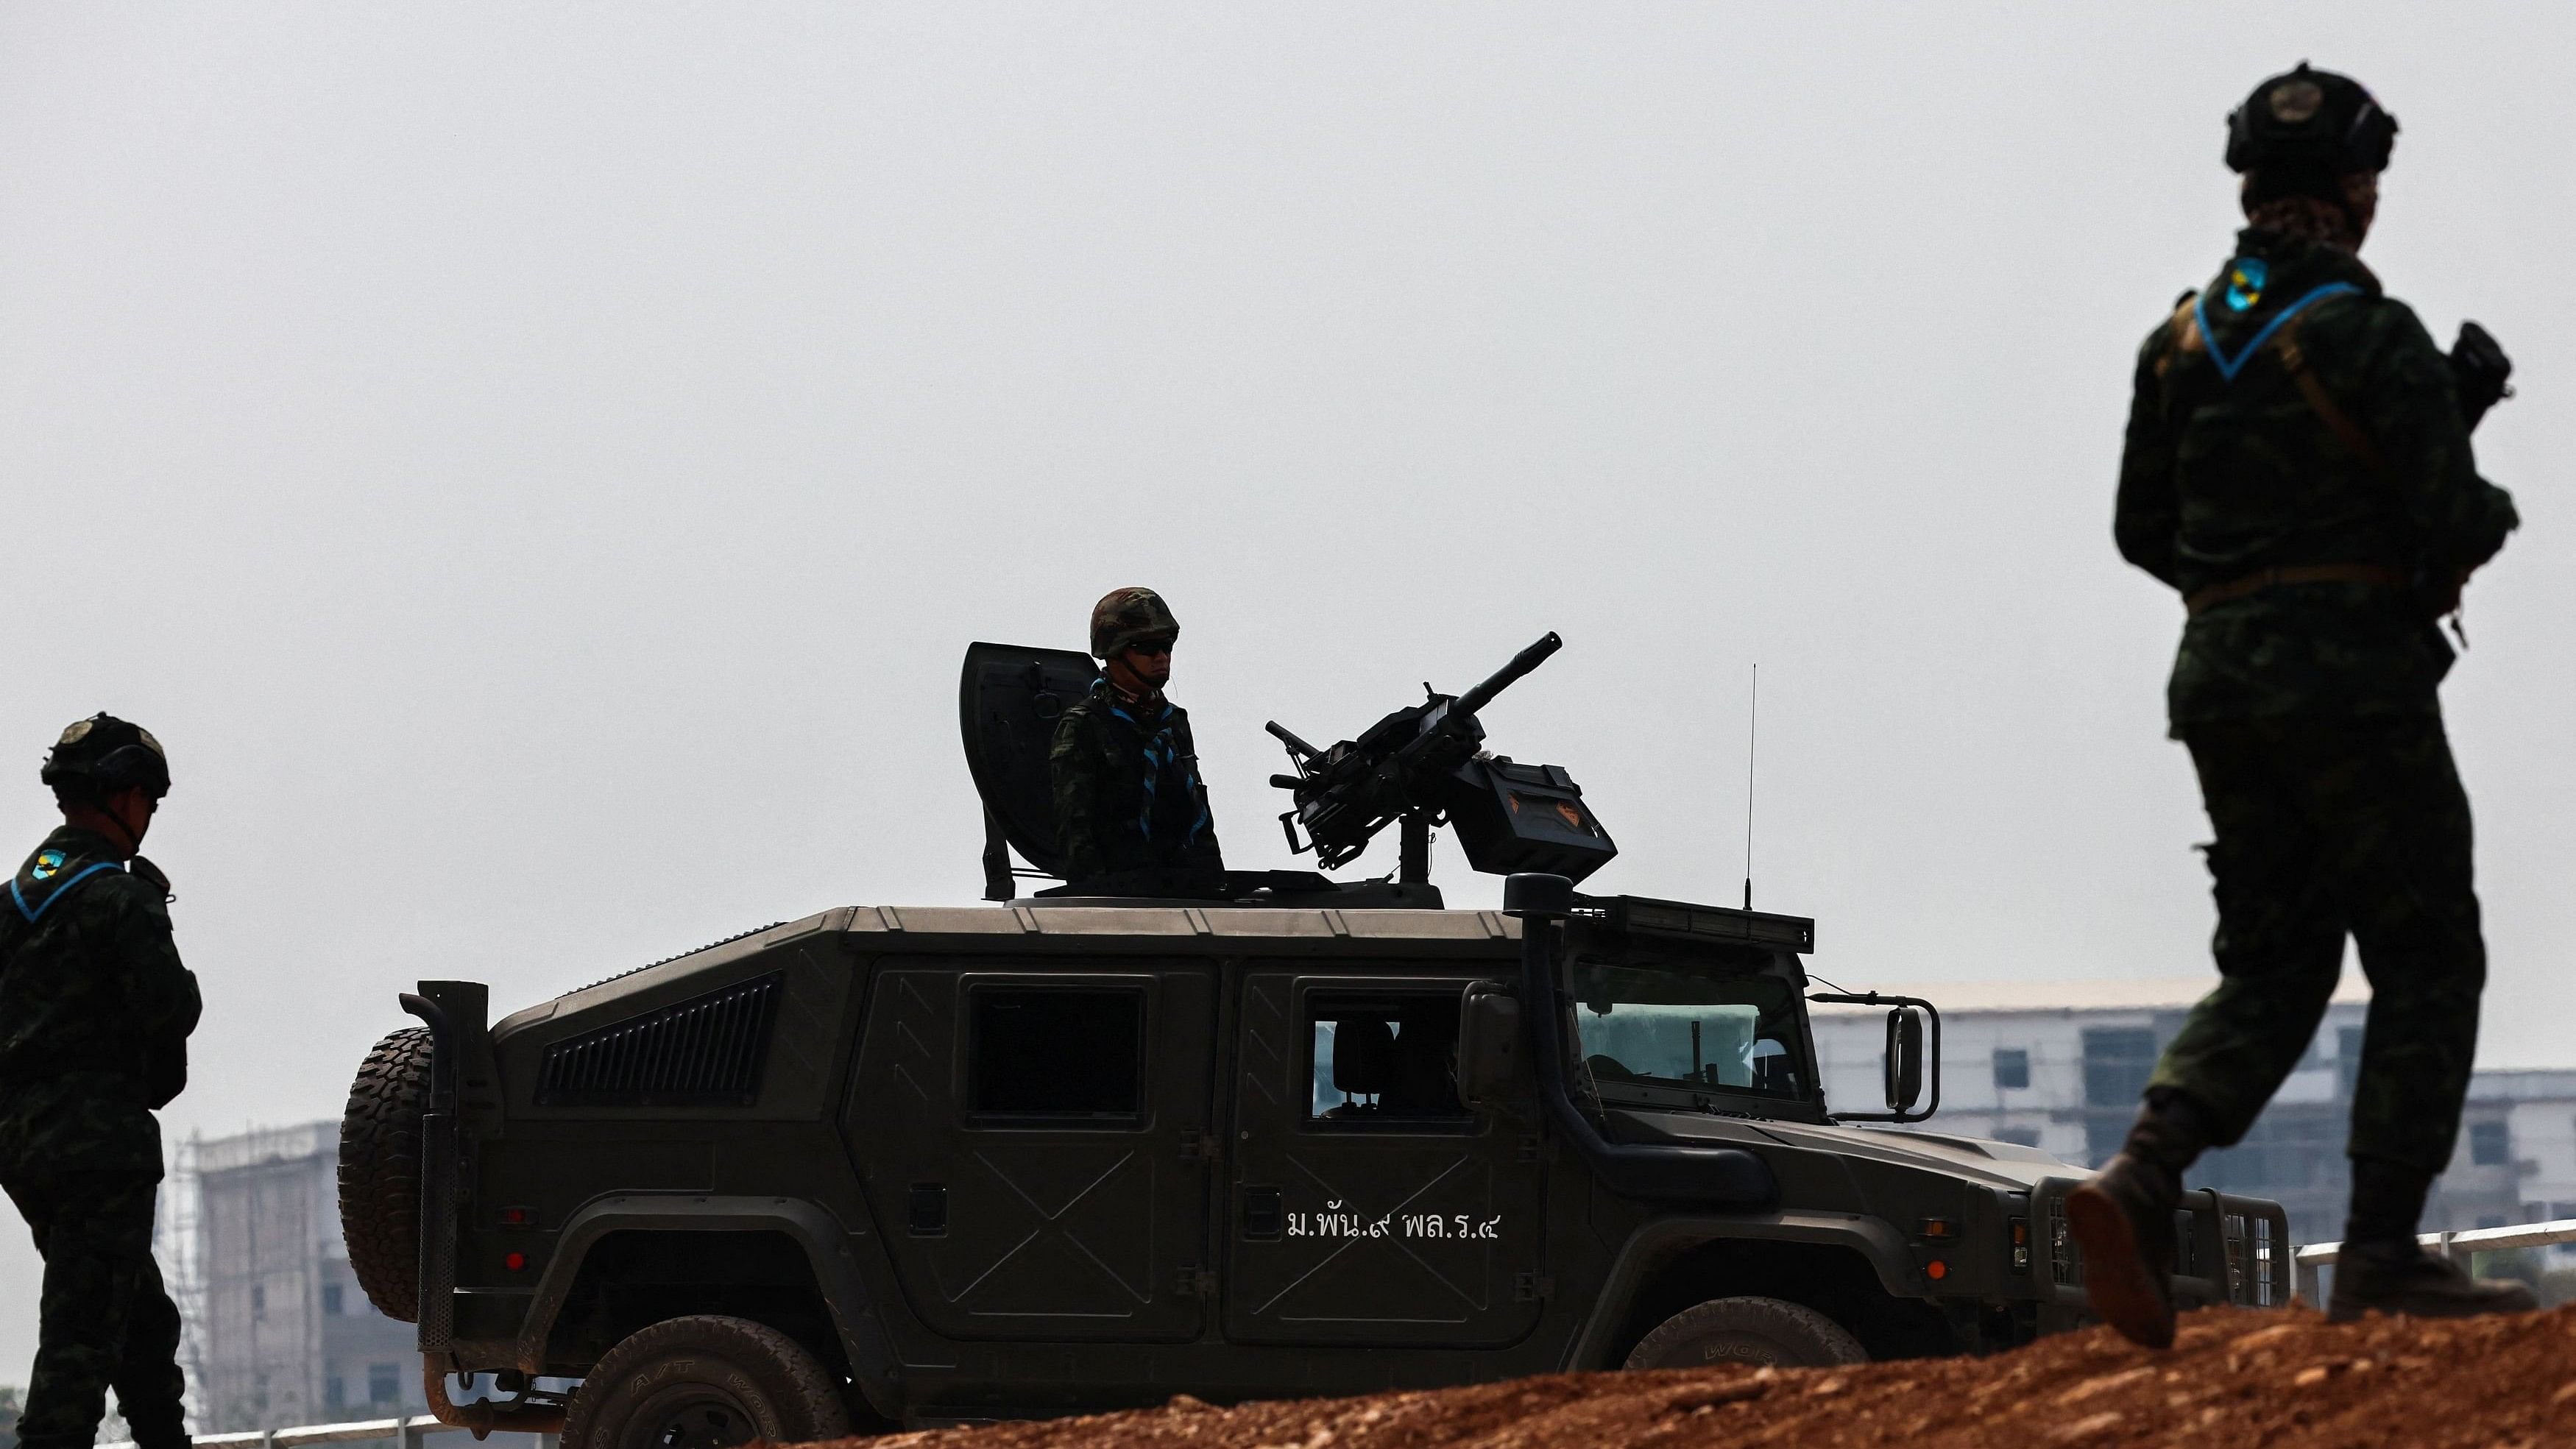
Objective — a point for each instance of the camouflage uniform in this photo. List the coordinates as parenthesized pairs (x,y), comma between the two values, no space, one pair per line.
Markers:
(1127,790)
(2309,706)
(95,1011)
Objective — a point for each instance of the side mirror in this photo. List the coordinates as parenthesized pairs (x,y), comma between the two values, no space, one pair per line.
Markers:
(1489,1044)
(1905,1053)
(1904,1061)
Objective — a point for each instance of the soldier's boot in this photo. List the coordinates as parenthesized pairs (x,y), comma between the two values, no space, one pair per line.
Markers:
(2123,1219)
(2382,1269)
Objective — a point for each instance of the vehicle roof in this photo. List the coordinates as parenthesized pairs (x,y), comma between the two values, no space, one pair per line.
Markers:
(1077,934)
(1171,922)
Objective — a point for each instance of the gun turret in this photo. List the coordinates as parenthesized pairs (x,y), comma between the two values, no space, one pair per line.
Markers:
(1424,763)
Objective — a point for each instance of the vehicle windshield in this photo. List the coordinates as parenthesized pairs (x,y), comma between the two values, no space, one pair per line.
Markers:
(1696,1028)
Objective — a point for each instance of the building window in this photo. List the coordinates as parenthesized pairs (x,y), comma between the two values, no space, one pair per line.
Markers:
(2012,1069)
(1058,1052)
(335,1391)
(2348,1056)
(331,1299)
(384,1383)
(2117,1062)
(2490,1144)
(258,1301)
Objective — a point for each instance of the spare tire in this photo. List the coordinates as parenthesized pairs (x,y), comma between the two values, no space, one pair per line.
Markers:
(380,1171)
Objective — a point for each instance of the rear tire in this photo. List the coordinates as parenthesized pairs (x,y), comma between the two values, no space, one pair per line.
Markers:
(705,1382)
(1769,1332)
(380,1171)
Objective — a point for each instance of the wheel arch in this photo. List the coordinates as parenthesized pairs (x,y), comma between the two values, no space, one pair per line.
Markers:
(1697,1257)
(820,1237)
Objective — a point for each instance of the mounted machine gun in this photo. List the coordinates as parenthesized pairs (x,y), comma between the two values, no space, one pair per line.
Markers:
(1425,763)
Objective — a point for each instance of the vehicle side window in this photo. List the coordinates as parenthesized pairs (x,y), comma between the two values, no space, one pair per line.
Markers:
(1056,1052)
(1384,1057)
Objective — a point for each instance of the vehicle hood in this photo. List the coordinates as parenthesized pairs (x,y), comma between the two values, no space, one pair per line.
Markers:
(1997,1164)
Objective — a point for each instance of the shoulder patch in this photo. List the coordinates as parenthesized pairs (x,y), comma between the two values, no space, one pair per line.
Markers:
(31,895)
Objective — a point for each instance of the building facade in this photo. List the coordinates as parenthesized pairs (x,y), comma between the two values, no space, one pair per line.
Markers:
(279,1331)
(2059,1066)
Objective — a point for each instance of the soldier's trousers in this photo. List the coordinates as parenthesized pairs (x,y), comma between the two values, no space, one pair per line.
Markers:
(2326,827)
(104,1319)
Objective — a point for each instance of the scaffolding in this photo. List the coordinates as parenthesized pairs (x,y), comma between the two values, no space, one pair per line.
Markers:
(178,1242)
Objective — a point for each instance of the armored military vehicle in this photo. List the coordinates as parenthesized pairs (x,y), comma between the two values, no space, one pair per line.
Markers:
(926,1165)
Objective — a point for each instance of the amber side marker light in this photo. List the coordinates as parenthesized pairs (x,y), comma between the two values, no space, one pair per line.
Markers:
(2021,1245)
(1938,1228)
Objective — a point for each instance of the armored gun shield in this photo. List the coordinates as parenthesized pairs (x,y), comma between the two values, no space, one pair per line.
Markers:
(1007,705)
(1512,817)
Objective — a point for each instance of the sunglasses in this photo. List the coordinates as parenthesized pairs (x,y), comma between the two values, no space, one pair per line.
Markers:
(1159,644)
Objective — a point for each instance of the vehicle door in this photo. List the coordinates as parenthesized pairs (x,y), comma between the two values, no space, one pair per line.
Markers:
(1029,1141)
(1367,1204)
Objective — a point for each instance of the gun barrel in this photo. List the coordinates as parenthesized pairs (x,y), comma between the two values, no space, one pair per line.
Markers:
(1296,747)
(1509,675)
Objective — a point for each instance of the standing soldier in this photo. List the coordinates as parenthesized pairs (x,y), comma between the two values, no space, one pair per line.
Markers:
(95,1012)
(1130,810)
(2298,469)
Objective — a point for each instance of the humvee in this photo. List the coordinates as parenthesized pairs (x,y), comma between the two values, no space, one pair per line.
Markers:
(910,1166)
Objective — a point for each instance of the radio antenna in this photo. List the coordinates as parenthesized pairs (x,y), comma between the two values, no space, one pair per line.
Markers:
(1752,723)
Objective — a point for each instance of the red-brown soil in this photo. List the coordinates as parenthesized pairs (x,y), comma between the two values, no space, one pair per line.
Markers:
(2284,1380)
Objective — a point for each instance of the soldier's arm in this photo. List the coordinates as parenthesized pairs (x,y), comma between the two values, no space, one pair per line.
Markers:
(2410,398)
(1073,769)
(161,998)
(2148,516)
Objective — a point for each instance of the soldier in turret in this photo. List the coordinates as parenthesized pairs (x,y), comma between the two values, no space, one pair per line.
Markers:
(2298,470)
(95,1012)
(1130,809)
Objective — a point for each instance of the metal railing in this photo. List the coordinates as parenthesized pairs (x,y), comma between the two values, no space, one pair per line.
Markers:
(406,1432)
(2457,1246)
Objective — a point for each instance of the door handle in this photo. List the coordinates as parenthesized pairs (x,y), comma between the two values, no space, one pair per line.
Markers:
(1264,1216)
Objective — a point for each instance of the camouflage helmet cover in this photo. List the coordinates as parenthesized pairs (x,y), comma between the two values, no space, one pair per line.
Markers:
(1124,616)
(102,755)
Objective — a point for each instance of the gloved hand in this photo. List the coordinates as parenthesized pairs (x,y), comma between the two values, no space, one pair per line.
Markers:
(2480,369)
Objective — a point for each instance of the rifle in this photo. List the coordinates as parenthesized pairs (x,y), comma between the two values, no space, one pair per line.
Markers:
(1425,762)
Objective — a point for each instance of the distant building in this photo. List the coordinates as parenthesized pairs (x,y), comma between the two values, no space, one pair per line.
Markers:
(281,1333)
(2059,1065)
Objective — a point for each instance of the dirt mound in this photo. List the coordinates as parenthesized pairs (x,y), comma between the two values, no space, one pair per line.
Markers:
(2235,1377)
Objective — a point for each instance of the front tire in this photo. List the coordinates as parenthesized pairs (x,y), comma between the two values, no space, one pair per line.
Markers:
(705,1382)
(1767,1332)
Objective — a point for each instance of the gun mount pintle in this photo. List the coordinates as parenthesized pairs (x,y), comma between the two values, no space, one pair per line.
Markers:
(1425,764)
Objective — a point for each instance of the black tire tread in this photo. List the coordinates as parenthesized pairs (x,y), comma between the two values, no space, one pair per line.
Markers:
(380,1171)
(1772,1316)
(812,1390)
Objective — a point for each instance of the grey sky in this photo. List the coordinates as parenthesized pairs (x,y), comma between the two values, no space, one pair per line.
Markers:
(537,467)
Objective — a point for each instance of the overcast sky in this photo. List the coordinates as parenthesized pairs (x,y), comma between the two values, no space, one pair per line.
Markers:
(537,466)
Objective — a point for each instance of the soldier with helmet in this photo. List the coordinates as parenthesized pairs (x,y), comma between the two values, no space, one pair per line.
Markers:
(1131,813)
(95,1011)
(2298,469)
